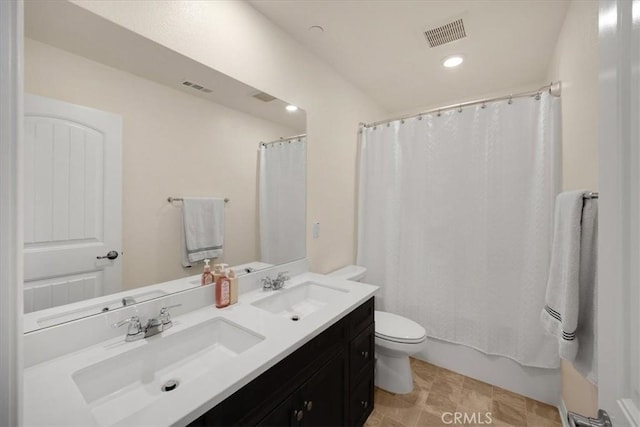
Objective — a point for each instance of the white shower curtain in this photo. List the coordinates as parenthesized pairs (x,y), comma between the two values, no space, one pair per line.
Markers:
(282,197)
(455,223)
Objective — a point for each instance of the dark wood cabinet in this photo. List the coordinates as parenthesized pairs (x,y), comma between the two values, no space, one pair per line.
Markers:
(361,401)
(361,375)
(361,353)
(283,415)
(318,402)
(326,382)
(322,398)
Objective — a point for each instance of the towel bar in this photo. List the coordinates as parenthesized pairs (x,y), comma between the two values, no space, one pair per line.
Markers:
(180,199)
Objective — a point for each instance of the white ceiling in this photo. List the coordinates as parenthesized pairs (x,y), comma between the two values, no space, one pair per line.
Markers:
(74,29)
(379,45)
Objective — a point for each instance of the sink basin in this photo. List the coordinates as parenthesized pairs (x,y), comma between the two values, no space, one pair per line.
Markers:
(300,301)
(118,387)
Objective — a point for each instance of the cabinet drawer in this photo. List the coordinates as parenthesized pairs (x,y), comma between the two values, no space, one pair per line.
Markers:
(361,317)
(361,353)
(361,401)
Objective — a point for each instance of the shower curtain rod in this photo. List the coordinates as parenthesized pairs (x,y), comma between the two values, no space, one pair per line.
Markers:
(554,88)
(264,144)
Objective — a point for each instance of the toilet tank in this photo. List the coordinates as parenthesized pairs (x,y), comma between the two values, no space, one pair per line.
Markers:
(350,272)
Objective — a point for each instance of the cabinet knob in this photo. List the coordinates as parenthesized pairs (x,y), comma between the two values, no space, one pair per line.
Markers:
(365,354)
(364,403)
(308,405)
(298,415)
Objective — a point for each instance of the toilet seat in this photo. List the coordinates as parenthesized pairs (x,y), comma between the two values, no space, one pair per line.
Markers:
(395,328)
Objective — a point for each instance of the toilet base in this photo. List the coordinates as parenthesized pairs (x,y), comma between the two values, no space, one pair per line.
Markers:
(393,373)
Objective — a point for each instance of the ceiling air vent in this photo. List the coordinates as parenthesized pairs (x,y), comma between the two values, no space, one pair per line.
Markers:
(264,97)
(446,33)
(196,86)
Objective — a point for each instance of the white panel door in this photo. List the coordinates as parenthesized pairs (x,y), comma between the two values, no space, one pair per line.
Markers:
(619,223)
(72,202)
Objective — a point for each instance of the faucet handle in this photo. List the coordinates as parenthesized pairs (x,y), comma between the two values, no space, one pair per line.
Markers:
(133,320)
(135,328)
(165,309)
(267,282)
(165,316)
(283,276)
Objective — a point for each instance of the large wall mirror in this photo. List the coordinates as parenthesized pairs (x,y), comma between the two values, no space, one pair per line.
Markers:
(119,129)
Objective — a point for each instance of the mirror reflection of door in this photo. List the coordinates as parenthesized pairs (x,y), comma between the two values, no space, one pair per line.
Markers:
(72,203)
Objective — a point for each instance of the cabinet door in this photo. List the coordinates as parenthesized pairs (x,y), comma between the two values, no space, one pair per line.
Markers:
(323,396)
(281,416)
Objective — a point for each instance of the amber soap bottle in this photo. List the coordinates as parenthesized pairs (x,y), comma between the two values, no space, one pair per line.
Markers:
(223,286)
(207,276)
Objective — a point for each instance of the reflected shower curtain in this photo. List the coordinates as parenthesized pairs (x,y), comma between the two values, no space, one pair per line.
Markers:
(455,223)
(282,197)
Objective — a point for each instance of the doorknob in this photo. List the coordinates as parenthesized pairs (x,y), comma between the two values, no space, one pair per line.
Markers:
(109,255)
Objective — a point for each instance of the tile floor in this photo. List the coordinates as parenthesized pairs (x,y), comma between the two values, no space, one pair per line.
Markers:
(438,390)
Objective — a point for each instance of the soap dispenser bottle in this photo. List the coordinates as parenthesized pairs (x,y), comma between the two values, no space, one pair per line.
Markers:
(207,276)
(233,283)
(223,286)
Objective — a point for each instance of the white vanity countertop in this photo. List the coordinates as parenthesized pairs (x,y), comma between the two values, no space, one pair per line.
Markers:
(51,397)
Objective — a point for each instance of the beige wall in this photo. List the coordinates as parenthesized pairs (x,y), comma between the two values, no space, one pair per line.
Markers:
(244,44)
(174,144)
(575,62)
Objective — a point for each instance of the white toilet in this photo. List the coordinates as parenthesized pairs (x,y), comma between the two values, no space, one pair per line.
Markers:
(396,338)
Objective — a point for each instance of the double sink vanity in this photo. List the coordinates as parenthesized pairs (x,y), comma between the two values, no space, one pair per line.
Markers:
(301,355)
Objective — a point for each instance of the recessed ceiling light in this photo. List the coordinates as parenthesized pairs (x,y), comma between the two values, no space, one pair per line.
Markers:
(291,108)
(452,61)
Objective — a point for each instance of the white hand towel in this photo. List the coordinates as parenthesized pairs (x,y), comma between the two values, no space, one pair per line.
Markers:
(203,224)
(560,313)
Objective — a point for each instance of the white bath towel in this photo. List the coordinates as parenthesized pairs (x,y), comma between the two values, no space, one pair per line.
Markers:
(203,224)
(586,358)
(569,301)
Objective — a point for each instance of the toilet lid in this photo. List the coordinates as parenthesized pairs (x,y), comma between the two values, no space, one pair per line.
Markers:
(393,327)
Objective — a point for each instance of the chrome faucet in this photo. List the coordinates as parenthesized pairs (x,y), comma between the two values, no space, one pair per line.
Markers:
(128,301)
(137,330)
(277,283)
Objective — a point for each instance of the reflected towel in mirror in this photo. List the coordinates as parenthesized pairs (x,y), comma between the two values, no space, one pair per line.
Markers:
(203,225)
